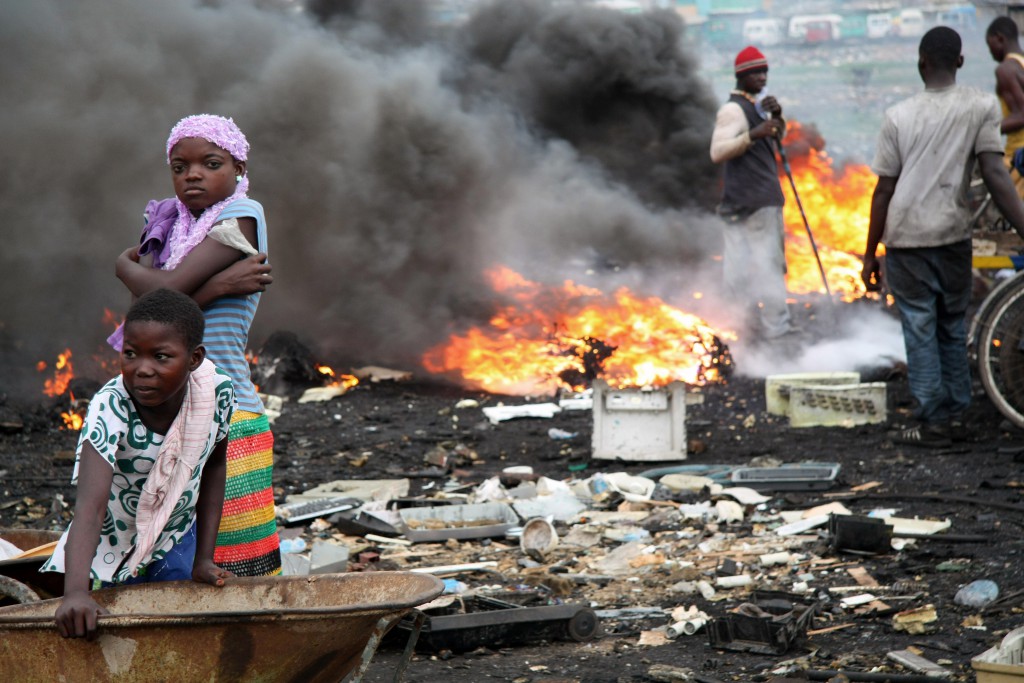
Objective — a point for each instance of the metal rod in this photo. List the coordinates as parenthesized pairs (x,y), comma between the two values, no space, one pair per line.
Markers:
(828,674)
(379,629)
(418,619)
(807,225)
(946,538)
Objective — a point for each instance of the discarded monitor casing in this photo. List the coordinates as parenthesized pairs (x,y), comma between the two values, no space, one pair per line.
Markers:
(639,424)
(859,534)
(780,620)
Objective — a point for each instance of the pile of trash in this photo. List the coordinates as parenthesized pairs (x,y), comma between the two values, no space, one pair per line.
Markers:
(673,552)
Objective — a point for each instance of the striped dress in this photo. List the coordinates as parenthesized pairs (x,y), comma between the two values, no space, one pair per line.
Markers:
(247,543)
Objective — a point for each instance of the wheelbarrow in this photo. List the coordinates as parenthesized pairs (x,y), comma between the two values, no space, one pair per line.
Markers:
(20,579)
(316,629)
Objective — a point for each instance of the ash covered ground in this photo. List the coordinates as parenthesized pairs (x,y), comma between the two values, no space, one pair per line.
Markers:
(384,430)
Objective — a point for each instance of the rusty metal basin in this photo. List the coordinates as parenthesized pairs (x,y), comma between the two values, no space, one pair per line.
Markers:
(28,538)
(26,570)
(297,628)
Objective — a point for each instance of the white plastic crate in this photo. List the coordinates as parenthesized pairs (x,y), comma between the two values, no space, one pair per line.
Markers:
(639,424)
(1004,663)
(843,405)
(776,387)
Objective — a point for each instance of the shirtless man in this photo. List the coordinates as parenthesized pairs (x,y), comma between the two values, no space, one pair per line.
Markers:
(1002,37)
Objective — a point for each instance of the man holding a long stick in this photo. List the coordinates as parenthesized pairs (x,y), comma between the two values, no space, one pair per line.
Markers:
(754,258)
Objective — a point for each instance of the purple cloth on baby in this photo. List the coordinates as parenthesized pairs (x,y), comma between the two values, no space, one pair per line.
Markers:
(160,218)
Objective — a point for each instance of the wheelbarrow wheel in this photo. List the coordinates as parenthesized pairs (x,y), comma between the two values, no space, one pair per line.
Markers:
(1000,349)
(17,591)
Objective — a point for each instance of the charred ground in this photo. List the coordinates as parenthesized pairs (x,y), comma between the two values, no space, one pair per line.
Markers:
(383,430)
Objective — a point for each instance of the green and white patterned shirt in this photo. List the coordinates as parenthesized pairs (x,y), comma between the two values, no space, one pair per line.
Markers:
(114,428)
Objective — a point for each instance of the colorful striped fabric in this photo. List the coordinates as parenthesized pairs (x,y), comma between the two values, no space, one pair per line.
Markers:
(247,542)
(228,318)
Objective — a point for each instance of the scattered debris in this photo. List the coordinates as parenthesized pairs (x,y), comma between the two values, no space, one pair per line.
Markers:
(502,413)
(477,621)
(375,373)
(322,393)
(917,621)
(915,662)
(770,623)
(977,594)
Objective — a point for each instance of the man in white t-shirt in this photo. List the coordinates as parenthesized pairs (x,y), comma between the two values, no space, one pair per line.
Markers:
(925,156)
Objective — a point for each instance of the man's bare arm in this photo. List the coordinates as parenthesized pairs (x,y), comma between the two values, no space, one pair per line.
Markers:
(1009,75)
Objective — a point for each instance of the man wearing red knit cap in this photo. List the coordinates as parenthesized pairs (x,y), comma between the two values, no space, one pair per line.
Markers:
(754,257)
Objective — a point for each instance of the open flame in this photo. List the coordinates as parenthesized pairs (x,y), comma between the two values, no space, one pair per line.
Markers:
(837,203)
(552,337)
(72,420)
(63,373)
(547,338)
(343,382)
(57,385)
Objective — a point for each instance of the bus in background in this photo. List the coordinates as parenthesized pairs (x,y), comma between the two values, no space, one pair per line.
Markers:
(910,23)
(763,32)
(962,18)
(814,28)
(879,25)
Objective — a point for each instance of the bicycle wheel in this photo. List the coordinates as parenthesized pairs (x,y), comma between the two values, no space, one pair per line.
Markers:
(1000,334)
(984,312)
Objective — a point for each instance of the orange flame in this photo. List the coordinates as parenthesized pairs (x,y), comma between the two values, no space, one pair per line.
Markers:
(72,420)
(111,319)
(346,382)
(553,336)
(837,205)
(63,373)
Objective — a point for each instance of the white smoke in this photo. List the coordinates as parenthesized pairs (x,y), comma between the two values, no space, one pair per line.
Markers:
(863,339)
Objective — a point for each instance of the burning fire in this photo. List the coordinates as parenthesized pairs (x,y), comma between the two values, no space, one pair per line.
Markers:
(565,336)
(63,373)
(837,205)
(72,420)
(343,382)
(549,337)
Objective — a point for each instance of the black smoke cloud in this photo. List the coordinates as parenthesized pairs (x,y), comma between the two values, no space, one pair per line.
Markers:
(396,160)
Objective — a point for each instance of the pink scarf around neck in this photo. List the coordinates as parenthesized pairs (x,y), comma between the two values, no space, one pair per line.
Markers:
(183,447)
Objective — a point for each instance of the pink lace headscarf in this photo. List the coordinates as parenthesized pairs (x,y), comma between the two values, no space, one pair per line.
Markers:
(188,231)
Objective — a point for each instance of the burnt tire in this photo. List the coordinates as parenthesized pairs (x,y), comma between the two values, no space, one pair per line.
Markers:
(999,346)
(582,626)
